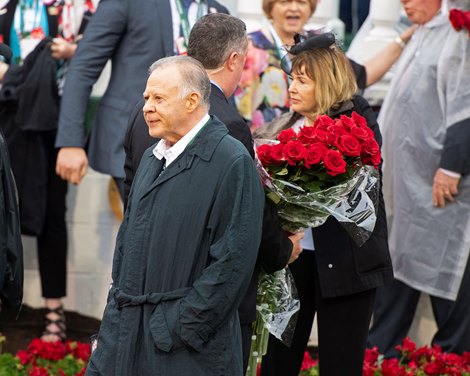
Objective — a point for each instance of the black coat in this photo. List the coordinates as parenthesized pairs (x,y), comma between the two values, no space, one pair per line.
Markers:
(275,248)
(343,267)
(11,251)
(29,108)
(183,262)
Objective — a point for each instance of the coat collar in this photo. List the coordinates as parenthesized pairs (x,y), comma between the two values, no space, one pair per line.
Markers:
(344,107)
(203,147)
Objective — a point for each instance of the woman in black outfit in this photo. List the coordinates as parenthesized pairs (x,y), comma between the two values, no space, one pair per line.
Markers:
(335,277)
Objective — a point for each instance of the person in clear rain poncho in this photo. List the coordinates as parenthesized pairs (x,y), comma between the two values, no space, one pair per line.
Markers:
(425,123)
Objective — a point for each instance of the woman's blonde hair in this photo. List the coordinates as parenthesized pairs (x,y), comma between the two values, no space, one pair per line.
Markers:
(331,71)
(268,7)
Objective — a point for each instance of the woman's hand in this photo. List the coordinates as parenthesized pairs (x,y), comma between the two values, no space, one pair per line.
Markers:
(297,249)
(62,50)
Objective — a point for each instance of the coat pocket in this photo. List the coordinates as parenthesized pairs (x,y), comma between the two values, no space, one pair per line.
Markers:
(164,326)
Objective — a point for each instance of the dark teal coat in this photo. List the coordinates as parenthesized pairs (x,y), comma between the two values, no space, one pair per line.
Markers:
(184,255)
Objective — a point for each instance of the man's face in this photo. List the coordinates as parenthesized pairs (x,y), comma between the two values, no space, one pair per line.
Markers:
(421,11)
(164,110)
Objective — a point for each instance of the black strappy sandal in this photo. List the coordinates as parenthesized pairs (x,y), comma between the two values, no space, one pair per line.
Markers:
(59,322)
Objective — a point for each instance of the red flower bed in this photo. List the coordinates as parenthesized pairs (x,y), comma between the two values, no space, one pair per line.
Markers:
(46,359)
(423,361)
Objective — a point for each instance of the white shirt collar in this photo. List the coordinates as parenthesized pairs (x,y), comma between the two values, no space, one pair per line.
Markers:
(170,153)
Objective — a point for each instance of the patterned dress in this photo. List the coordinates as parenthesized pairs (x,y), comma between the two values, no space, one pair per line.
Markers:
(262,94)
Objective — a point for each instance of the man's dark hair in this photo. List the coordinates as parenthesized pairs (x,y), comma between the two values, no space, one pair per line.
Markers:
(214,37)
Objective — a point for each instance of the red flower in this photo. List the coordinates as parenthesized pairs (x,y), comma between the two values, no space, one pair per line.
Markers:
(371,356)
(294,151)
(325,137)
(306,135)
(307,362)
(323,122)
(346,121)
(349,145)
(38,371)
(334,163)
(362,133)
(391,367)
(408,345)
(277,153)
(337,130)
(83,351)
(460,19)
(457,19)
(264,154)
(24,357)
(359,120)
(314,155)
(371,152)
(287,135)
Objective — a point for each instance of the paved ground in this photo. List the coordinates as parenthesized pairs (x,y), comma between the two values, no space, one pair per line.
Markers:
(30,324)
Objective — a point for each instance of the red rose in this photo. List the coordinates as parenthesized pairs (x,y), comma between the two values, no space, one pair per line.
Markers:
(324,137)
(347,122)
(348,145)
(306,135)
(314,155)
(287,135)
(457,19)
(323,122)
(264,154)
(362,133)
(277,153)
(294,151)
(371,160)
(358,119)
(337,130)
(334,163)
(370,147)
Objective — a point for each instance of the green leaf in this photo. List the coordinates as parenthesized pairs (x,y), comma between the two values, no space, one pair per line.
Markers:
(273,197)
(284,171)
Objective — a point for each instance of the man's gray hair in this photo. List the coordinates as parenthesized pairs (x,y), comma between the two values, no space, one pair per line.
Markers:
(214,37)
(193,76)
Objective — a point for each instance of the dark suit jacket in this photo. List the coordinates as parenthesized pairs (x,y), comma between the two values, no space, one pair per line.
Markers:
(133,34)
(275,248)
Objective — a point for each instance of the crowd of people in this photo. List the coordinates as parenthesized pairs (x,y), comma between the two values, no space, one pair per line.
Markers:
(198,227)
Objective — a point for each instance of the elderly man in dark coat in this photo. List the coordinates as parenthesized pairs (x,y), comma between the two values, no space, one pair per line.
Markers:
(188,244)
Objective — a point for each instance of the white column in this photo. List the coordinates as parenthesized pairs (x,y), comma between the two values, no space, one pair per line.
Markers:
(327,15)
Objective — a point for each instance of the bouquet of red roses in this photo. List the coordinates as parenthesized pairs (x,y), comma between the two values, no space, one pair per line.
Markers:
(326,169)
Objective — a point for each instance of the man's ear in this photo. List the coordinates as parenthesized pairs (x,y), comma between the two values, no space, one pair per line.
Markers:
(231,61)
(192,101)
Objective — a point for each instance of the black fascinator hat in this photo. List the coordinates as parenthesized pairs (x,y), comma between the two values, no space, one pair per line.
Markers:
(304,43)
(313,42)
